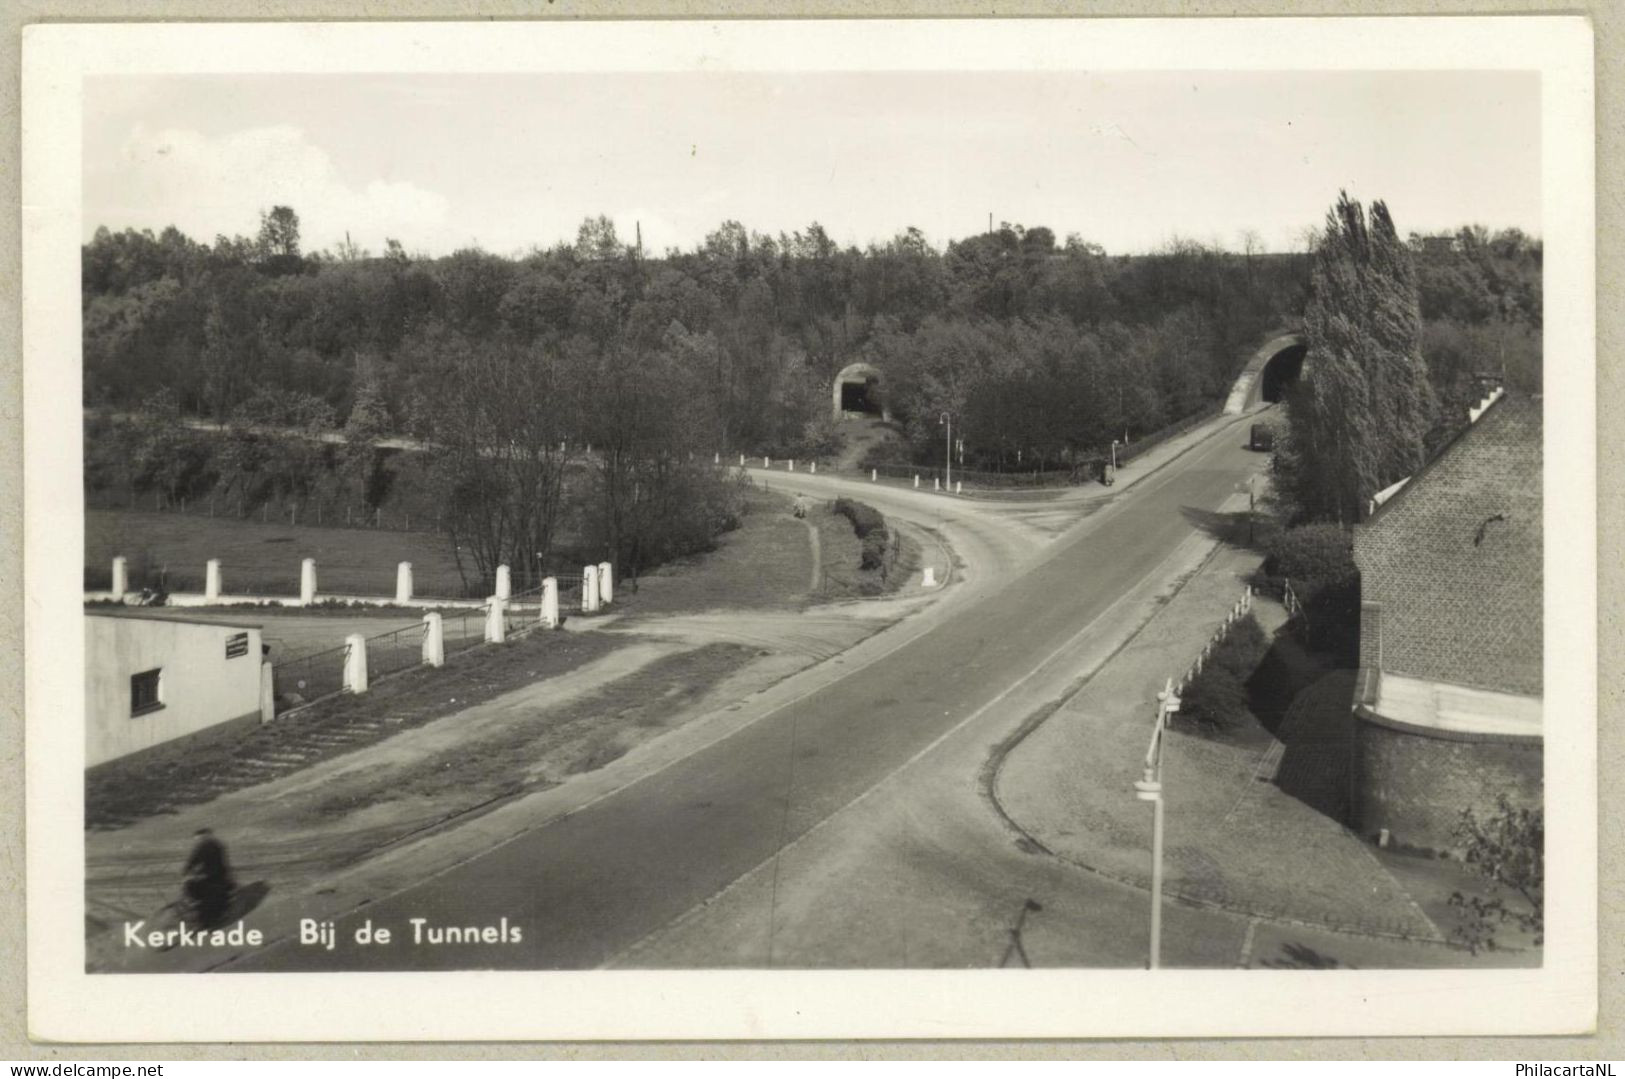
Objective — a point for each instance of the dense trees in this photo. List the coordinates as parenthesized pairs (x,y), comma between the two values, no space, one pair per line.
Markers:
(1359,421)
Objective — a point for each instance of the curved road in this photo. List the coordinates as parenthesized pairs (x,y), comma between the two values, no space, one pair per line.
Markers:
(587,887)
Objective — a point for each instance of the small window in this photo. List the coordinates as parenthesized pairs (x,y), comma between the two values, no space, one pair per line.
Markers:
(144,695)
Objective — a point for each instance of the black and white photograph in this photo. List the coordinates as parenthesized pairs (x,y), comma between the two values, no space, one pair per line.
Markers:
(810,505)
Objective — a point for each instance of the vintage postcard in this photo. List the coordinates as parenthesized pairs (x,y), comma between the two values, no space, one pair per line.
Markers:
(810,529)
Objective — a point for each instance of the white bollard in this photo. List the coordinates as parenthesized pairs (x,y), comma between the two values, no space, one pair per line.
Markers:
(434,640)
(813,468)
(959,487)
(589,589)
(766,463)
(307,582)
(874,474)
(550,602)
(916,481)
(716,459)
(936,484)
(403,584)
(121,576)
(267,692)
(211,581)
(496,621)
(930,578)
(741,460)
(606,583)
(355,663)
(504,582)
(791,465)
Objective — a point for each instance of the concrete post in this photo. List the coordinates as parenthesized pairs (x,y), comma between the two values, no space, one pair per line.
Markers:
(504,582)
(874,474)
(307,582)
(813,468)
(766,463)
(550,602)
(496,621)
(936,484)
(717,459)
(434,640)
(403,583)
(121,576)
(589,589)
(355,663)
(929,580)
(790,465)
(267,693)
(916,481)
(606,583)
(959,487)
(741,460)
(211,581)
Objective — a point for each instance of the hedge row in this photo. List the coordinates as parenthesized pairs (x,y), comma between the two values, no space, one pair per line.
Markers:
(864,517)
(1218,696)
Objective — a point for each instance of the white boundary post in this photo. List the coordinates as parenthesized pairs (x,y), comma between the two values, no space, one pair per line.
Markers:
(403,583)
(606,583)
(504,582)
(355,663)
(121,576)
(211,581)
(589,589)
(307,582)
(550,602)
(434,640)
(496,622)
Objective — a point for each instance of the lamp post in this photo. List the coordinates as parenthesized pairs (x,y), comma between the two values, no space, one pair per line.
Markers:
(1149,789)
(947,450)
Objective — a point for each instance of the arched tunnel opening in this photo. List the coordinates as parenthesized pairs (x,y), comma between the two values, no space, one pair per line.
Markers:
(1281,371)
(858,392)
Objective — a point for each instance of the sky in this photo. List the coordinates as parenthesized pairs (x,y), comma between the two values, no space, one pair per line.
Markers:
(1128,160)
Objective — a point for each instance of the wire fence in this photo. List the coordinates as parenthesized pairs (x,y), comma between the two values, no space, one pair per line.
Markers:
(311,512)
(397,650)
(308,678)
(463,629)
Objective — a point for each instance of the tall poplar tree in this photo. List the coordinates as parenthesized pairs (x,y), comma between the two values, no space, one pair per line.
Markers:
(1358,416)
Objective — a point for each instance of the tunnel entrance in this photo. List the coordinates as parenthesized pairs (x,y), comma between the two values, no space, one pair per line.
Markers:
(857,393)
(855,397)
(1281,371)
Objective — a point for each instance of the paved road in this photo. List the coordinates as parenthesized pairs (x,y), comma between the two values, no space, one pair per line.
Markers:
(587,887)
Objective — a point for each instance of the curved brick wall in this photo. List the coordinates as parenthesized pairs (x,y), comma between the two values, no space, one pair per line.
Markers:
(1415,782)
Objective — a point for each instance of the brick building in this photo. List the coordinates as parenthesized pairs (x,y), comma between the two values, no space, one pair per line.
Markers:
(1448,710)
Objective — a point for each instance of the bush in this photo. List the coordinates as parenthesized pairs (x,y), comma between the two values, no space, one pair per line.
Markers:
(1218,696)
(1508,849)
(864,517)
(1311,556)
(874,550)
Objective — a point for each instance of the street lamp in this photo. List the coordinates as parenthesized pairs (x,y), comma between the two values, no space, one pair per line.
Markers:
(1149,789)
(946,420)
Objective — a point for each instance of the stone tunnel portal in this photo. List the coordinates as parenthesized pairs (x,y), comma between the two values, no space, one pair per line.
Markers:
(857,392)
(1281,370)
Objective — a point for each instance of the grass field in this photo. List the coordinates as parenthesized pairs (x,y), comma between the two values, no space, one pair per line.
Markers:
(263,559)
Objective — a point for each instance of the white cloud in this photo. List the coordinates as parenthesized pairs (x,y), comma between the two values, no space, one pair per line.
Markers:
(207,186)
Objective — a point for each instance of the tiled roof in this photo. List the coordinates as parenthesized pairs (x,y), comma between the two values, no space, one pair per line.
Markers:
(1453,560)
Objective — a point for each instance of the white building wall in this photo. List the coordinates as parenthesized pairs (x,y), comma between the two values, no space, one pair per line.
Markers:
(199,688)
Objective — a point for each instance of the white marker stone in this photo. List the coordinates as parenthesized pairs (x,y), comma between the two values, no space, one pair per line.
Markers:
(930,578)
(121,576)
(211,581)
(589,589)
(550,602)
(403,584)
(307,582)
(496,621)
(606,583)
(434,640)
(504,582)
(355,663)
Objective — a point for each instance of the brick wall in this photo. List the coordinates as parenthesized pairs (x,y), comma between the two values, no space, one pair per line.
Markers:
(1415,783)
(1453,561)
